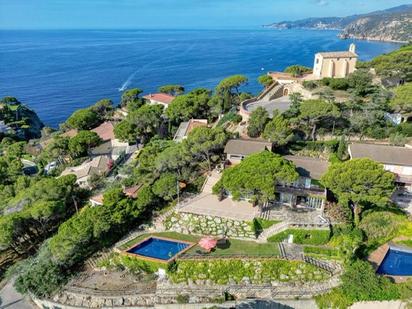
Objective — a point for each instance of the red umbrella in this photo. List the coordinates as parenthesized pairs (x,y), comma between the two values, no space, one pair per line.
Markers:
(208,243)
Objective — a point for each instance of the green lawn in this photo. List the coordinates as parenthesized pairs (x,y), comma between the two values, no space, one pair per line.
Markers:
(304,237)
(322,252)
(407,243)
(236,247)
(265,224)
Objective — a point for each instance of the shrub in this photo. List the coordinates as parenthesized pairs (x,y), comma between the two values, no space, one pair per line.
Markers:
(360,283)
(259,224)
(297,70)
(339,84)
(182,298)
(338,212)
(336,299)
(259,271)
(230,117)
(397,139)
(381,226)
(346,239)
(310,84)
(405,128)
(305,237)
(132,264)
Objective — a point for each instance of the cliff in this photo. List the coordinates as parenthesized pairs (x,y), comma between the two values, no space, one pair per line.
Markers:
(393,24)
(388,27)
(18,120)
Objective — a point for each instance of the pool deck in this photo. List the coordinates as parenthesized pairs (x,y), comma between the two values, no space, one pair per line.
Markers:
(377,257)
(152,259)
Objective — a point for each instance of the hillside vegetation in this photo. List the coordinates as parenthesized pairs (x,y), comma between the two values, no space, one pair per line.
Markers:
(394,24)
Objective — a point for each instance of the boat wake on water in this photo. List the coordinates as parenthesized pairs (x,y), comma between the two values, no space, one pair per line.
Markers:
(132,76)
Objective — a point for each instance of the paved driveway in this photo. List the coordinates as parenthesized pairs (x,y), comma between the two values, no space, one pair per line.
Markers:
(11,299)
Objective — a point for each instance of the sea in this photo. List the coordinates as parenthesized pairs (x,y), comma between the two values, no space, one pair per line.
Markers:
(56,72)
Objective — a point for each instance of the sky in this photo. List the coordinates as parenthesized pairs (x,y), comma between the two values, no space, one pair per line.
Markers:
(173,14)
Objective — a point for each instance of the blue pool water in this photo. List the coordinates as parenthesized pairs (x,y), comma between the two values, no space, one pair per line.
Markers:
(396,263)
(159,248)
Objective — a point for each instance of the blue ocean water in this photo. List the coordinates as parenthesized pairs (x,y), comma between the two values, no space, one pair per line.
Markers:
(56,72)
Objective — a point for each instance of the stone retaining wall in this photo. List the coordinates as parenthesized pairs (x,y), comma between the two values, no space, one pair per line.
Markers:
(207,225)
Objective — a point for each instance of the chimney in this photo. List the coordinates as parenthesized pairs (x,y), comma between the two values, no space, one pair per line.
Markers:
(352,48)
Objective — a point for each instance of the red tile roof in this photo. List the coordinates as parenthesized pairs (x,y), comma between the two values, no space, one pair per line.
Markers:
(132,191)
(160,97)
(105,131)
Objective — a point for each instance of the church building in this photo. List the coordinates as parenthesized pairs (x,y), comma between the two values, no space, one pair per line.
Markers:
(335,64)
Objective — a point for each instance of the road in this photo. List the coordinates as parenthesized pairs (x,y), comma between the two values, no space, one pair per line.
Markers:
(11,299)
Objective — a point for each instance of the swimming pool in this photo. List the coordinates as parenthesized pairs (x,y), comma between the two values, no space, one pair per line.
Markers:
(159,248)
(397,262)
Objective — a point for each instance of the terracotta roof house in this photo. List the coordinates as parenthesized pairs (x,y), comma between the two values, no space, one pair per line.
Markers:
(114,149)
(97,166)
(186,127)
(105,131)
(130,192)
(397,160)
(159,98)
(238,149)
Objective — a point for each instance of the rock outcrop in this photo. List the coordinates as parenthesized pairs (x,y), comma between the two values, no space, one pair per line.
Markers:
(393,25)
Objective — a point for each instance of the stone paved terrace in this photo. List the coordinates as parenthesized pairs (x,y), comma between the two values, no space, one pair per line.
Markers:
(281,104)
(207,204)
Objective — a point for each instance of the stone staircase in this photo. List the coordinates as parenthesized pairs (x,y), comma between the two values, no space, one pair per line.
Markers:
(333,269)
(274,91)
(94,260)
(282,250)
(265,211)
(274,229)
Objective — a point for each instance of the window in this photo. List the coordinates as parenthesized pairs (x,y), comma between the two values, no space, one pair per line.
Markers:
(317,60)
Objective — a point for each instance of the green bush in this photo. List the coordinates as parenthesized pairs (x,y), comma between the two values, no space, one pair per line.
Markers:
(182,298)
(330,146)
(379,227)
(259,224)
(346,240)
(338,212)
(259,271)
(230,117)
(407,242)
(360,283)
(305,237)
(405,128)
(132,264)
(339,84)
(310,84)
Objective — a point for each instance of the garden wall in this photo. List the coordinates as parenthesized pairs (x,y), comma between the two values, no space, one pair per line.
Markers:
(207,225)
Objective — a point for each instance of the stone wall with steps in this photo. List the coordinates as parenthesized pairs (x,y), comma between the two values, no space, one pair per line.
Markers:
(207,225)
